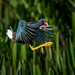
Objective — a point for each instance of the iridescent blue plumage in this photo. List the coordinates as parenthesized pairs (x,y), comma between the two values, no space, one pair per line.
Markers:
(29,32)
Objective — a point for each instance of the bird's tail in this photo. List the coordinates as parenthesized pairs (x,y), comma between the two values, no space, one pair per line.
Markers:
(11,34)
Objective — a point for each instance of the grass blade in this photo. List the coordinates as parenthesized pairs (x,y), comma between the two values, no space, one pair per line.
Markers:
(57,49)
(73,27)
(38,71)
(14,51)
(3,71)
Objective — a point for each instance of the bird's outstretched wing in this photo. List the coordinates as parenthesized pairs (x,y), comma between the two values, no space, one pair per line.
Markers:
(27,35)
(42,34)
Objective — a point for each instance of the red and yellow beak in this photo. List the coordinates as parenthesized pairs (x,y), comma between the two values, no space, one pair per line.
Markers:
(45,23)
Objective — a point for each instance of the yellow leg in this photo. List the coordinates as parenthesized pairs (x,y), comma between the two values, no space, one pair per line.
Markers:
(42,50)
(41,46)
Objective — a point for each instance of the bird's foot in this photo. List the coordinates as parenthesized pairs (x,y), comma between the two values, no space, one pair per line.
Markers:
(41,46)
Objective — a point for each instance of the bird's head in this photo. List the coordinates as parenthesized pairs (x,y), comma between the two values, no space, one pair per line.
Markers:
(45,22)
(21,25)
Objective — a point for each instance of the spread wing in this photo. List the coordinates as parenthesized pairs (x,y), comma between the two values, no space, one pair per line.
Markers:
(42,34)
(28,35)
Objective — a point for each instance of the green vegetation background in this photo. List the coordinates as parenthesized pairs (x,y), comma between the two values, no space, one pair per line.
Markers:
(17,59)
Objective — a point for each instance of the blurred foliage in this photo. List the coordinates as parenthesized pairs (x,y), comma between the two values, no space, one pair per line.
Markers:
(17,59)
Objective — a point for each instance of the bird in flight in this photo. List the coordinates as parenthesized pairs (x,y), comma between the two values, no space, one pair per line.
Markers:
(29,32)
